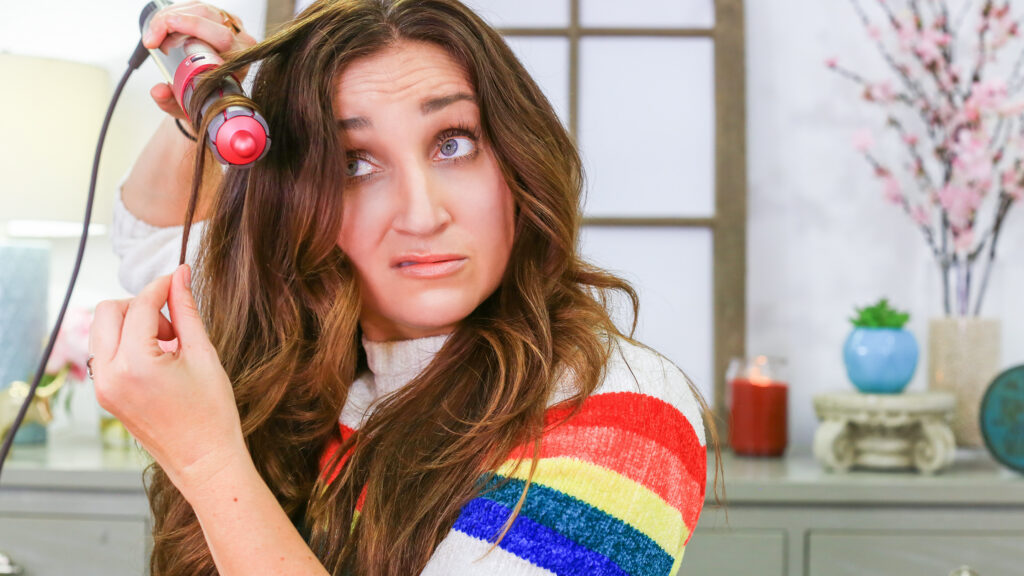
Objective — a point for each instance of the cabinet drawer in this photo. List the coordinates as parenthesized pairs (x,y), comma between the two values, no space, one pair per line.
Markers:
(851,553)
(45,546)
(718,552)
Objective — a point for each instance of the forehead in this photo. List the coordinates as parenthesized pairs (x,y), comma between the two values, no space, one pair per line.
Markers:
(405,72)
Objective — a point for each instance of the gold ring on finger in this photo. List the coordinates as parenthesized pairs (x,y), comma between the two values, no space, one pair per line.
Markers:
(230,21)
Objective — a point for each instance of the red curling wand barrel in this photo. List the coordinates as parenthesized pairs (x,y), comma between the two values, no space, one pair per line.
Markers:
(239,135)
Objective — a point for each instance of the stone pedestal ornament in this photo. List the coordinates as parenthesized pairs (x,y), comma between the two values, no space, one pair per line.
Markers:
(885,431)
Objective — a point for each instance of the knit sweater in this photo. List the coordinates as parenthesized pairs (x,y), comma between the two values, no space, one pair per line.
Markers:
(618,488)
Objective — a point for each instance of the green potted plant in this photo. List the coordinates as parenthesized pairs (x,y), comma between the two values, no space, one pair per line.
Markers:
(880,355)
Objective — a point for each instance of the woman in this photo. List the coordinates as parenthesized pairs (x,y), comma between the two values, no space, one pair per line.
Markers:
(404,257)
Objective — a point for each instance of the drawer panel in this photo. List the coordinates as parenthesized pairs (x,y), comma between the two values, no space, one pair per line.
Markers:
(45,546)
(853,553)
(718,552)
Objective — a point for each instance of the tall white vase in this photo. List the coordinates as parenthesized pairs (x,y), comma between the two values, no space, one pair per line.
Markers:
(963,358)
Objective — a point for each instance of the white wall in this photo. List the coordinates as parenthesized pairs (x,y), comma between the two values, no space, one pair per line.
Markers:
(821,237)
(103,34)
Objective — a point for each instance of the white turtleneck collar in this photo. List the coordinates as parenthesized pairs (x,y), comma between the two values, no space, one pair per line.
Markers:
(394,364)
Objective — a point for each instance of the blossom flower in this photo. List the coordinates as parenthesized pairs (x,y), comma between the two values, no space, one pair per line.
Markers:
(963,240)
(72,346)
(973,162)
(928,45)
(893,190)
(881,92)
(920,215)
(960,204)
(863,140)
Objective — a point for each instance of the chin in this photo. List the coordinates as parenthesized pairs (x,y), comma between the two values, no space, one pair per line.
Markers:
(432,310)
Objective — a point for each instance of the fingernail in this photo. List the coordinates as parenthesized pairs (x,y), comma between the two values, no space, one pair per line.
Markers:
(188,277)
(173,20)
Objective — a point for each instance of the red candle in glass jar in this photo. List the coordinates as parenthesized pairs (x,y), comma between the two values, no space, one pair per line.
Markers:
(757,418)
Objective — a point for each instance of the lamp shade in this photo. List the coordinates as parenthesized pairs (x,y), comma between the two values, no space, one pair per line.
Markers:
(51,112)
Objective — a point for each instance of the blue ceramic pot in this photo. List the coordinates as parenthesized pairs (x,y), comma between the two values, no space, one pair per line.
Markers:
(880,360)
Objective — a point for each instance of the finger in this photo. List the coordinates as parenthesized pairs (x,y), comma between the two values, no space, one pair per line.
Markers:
(184,313)
(142,320)
(105,332)
(165,331)
(214,33)
(164,98)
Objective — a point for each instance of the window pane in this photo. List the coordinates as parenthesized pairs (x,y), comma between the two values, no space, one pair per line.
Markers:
(647,118)
(648,13)
(525,13)
(547,61)
(671,269)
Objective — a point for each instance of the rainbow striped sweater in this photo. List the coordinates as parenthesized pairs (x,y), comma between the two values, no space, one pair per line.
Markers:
(617,491)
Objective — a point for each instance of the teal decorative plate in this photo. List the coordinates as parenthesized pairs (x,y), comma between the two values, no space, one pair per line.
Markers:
(1002,418)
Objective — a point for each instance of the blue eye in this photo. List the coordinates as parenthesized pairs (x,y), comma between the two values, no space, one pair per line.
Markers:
(451,146)
(352,167)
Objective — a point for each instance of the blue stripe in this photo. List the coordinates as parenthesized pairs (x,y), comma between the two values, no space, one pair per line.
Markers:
(587,525)
(481,518)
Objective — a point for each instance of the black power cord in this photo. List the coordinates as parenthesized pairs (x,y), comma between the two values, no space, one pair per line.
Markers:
(138,57)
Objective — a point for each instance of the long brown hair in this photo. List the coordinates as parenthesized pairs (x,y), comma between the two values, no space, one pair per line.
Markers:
(281,303)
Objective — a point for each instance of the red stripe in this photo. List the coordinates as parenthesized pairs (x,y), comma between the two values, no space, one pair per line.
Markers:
(640,414)
(680,482)
(332,447)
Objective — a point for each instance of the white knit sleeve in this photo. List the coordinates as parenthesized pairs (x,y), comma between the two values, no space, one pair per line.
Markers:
(148,251)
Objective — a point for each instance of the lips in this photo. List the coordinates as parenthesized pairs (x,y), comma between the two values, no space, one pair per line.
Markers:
(407,260)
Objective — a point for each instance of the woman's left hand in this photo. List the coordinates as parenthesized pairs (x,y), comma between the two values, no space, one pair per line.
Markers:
(178,404)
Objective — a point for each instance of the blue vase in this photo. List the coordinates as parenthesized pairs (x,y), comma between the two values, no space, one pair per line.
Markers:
(880,360)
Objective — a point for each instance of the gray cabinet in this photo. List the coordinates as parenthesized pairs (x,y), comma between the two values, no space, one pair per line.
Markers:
(787,516)
(77,510)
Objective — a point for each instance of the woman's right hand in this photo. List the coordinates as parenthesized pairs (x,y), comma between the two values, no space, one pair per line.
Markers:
(199,20)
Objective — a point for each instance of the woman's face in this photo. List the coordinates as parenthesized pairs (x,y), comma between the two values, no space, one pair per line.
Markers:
(428,218)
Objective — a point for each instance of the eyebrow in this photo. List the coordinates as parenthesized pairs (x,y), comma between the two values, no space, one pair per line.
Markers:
(428,106)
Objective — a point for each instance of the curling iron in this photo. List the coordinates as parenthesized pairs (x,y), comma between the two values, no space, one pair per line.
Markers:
(239,135)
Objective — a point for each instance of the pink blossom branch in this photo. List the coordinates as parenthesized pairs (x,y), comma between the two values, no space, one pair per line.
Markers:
(980,62)
(901,71)
(926,230)
(919,171)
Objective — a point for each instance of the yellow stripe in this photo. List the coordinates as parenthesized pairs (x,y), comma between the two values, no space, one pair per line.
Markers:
(675,565)
(610,492)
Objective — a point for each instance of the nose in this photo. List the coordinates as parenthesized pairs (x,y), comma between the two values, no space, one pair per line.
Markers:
(421,211)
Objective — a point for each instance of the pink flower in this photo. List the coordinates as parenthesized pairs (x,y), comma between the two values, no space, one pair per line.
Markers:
(832,62)
(972,160)
(962,240)
(920,215)
(960,204)
(928,45)
(881,92)
(1013,184)
(985,96)
(72,346)
(863,140)
(893,191)
(910,139)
